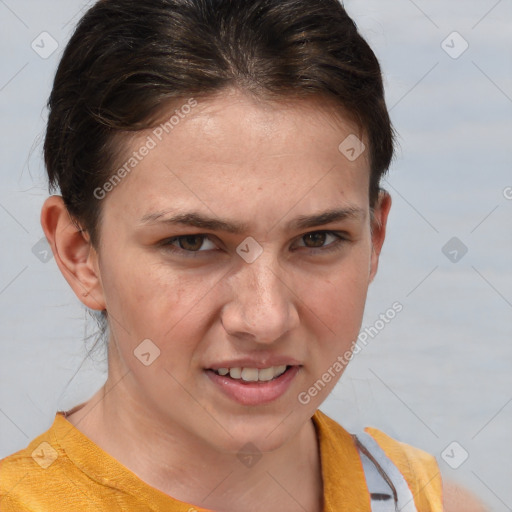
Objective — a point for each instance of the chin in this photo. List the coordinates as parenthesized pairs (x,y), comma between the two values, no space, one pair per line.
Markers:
(268,432)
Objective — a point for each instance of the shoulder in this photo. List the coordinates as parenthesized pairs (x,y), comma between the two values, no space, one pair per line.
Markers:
(423,476)
(24,473)
(418,467)
(414,463)
(458,499)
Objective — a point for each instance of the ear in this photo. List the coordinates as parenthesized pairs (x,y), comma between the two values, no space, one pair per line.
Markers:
(75,256)
(378,227)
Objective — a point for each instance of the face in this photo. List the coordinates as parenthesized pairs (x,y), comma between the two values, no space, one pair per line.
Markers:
(241,242)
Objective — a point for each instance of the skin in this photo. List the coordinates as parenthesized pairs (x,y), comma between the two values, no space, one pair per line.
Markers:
(248,161)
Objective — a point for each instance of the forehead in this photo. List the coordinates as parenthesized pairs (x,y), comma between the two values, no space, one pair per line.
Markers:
(233,152)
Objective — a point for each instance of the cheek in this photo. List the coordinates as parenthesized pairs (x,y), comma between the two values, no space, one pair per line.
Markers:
(339,306)
(162,303)
(340,297)
(140,294)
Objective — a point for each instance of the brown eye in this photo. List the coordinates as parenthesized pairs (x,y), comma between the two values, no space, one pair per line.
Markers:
(323,242)
(191,242)
(316,239)
(189,245)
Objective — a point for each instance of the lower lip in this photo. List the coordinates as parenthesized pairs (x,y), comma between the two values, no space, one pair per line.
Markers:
(254,393)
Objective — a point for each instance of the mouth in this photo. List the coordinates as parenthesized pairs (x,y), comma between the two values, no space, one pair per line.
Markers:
(253,386)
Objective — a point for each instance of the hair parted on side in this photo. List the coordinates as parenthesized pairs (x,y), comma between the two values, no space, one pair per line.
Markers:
(128,60)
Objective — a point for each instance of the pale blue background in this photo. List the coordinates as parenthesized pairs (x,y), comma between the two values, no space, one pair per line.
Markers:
(441,370)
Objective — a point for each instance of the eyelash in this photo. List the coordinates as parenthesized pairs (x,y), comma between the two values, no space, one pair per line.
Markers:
(334,246)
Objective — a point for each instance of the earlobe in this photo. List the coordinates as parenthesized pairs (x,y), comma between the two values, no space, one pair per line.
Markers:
(75,256)
(379,223)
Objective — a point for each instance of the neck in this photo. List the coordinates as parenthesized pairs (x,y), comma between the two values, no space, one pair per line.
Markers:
(179,464)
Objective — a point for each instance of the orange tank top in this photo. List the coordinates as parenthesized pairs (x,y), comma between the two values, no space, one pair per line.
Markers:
(62,470)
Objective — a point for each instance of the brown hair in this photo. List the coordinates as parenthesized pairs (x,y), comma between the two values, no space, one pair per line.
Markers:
(129,59)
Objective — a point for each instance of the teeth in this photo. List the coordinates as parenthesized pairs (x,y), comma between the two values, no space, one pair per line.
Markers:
(250,374)
(266,374)
(253,374)
(235,373)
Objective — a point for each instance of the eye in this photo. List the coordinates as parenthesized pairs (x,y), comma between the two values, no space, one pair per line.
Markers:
(187,244)
(316,241)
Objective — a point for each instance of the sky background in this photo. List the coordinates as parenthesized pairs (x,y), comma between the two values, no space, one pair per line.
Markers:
(440,371)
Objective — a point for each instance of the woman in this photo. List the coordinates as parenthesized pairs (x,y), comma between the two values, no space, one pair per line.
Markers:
(219,166)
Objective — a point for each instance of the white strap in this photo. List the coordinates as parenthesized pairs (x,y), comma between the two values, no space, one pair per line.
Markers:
(382,499)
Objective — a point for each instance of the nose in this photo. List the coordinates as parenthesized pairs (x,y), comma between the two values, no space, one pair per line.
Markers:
(263,304)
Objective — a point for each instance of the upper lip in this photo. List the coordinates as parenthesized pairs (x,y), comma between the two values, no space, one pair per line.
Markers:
(260,362)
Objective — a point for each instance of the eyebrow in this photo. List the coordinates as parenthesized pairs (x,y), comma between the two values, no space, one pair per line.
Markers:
(199,220)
